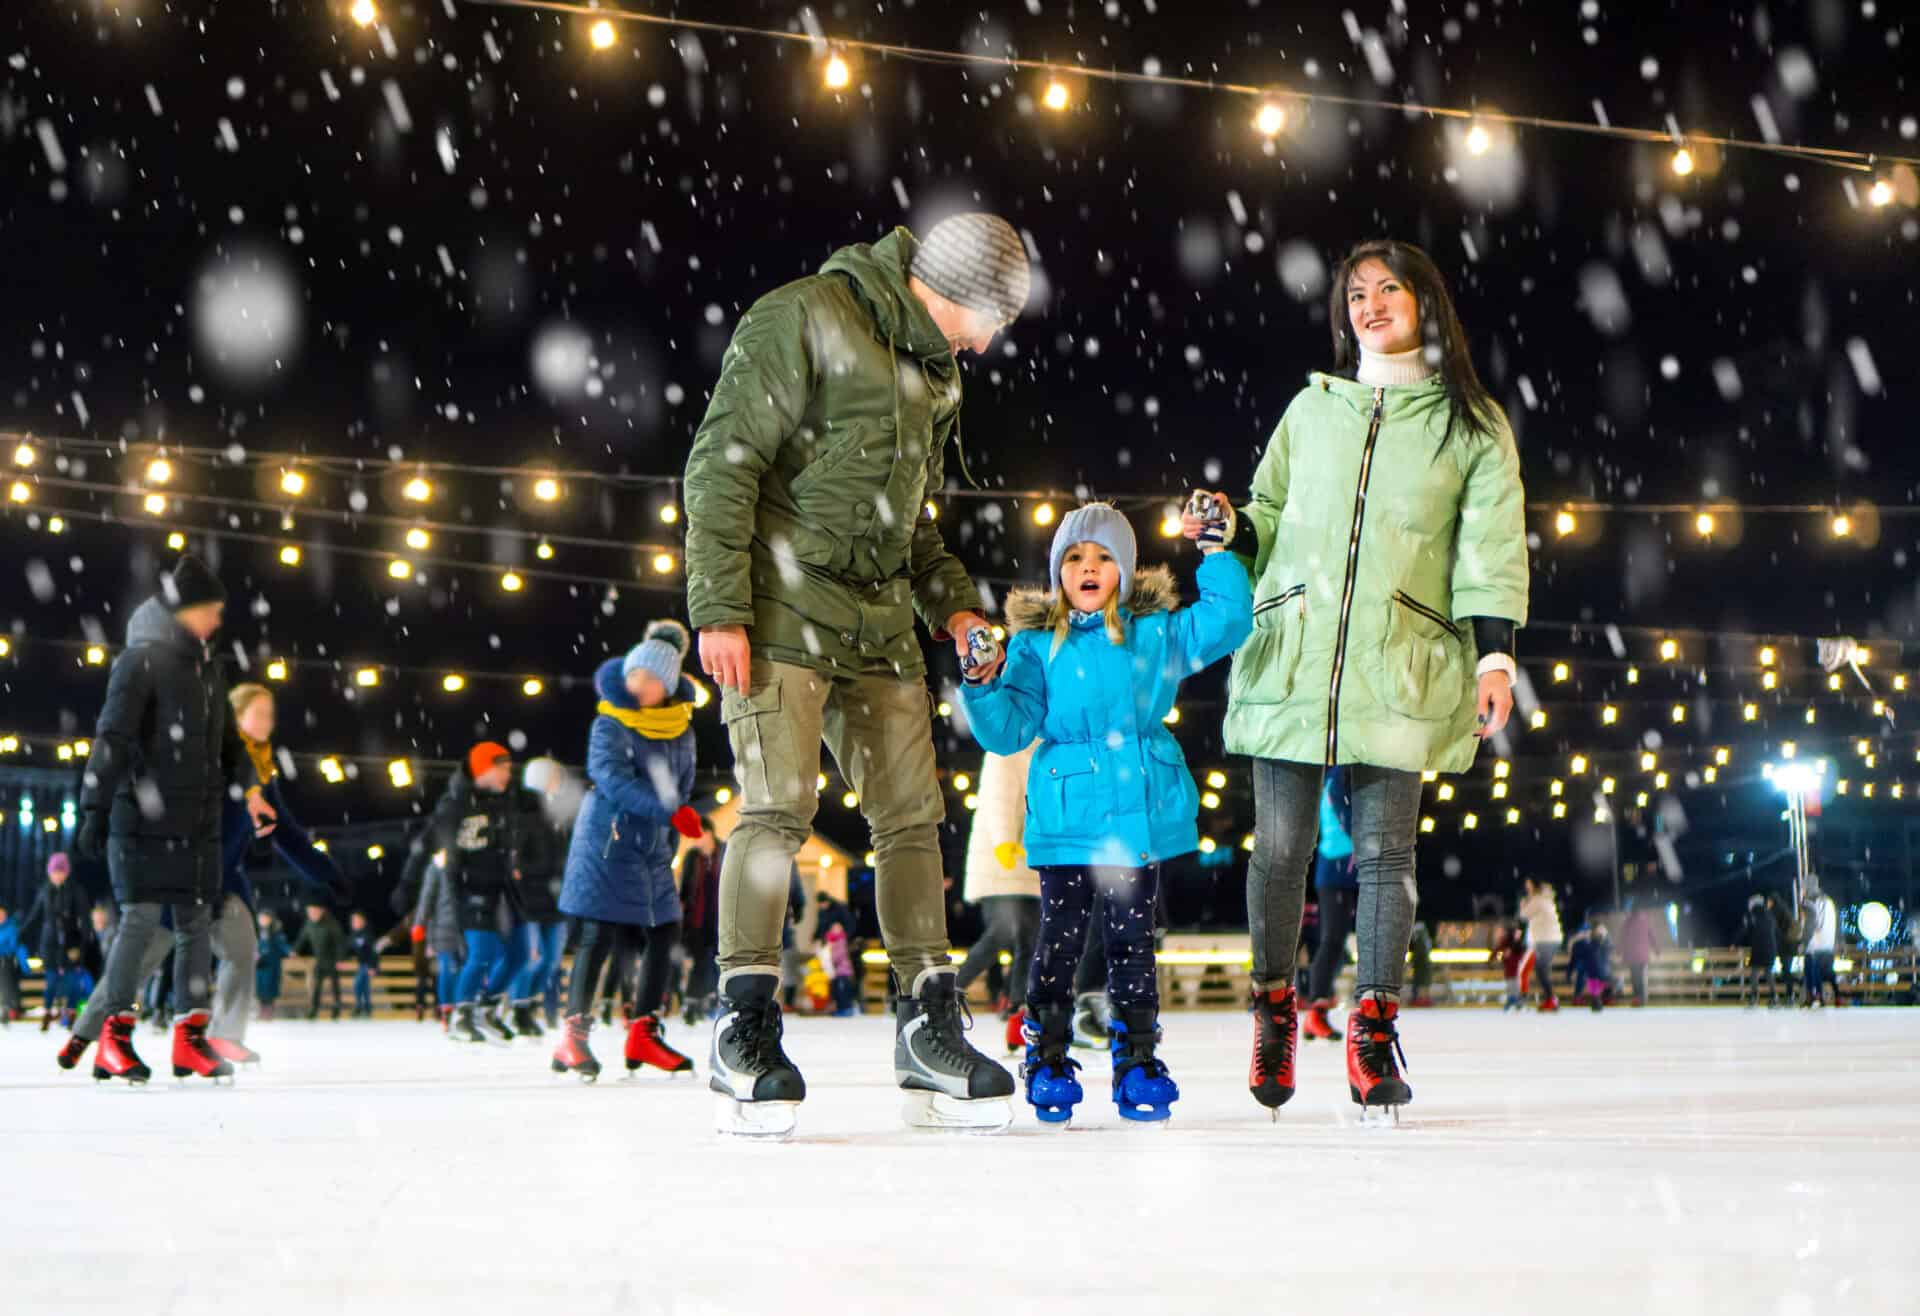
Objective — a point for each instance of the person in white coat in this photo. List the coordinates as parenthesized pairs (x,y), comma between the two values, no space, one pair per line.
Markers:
(999,881)
(1544,935)
(1823,933)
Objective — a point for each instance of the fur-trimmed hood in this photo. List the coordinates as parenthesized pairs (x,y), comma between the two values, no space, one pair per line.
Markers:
(1154,590)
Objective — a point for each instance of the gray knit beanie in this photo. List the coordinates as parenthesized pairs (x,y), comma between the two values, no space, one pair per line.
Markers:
(1096,523)
(660,653)
(976,261)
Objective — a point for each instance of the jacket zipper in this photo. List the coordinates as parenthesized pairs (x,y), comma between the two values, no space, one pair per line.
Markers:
(1279,600)
(613,834)
(1412,604)
(1353,571)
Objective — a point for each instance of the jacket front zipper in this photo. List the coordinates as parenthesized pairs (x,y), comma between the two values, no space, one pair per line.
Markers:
(1353,570)
(613,835)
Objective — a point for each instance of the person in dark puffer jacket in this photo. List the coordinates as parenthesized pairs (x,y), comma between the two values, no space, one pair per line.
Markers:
(164,759)
(619,881)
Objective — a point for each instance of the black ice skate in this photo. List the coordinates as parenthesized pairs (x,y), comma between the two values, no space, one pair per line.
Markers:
(757,1091)
(949,1085)
(462,1028)
(493,1021)
(526,1022)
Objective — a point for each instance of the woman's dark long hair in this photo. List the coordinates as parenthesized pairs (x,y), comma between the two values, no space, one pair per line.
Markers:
(1468,402)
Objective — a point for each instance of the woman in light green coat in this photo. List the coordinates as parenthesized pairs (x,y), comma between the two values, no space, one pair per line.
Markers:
(1386,535)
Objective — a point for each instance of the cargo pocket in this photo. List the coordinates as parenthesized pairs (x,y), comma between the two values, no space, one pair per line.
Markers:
(1174,796)
(1067,794)
(1423,671)
(762,743)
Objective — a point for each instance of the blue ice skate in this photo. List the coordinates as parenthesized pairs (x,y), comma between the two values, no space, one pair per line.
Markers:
(1052,1090)
(1142,1089)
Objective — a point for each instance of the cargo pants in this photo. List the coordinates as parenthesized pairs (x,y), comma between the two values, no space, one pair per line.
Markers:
(880,730)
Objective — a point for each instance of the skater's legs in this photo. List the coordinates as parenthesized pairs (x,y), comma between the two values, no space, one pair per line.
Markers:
(1026,928)
(483,951)
(362,991)
(1639,975)
(1543,953)
(1126,922)
(235,942)
(775,732)
(119,984)
(447,986)
(538,960)
(1091,975)
(881,733)
(1336,921)
(1386,811)
(656,961)
(998,935)
(600,942)
(516,947)
(1286,830)
(1066,904)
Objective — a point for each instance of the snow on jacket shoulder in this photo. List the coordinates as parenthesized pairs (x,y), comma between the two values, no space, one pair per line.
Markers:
(996,852)
(1109,784)
(620,861)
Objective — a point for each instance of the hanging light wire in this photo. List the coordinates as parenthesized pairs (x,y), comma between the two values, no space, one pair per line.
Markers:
(1859,161)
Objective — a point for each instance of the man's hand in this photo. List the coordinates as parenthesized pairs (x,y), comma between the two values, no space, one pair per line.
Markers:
(962,624)
(260,812)
(727,656)
(92,838)
(1494,702)
(1190,525)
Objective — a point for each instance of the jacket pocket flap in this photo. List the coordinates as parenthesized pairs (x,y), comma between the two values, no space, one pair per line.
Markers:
(1069,768)
(1167,751)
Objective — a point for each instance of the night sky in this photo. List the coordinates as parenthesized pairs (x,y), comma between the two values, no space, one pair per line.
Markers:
(463,236)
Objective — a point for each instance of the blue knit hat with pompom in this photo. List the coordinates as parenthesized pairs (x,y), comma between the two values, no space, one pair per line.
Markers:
(660,653)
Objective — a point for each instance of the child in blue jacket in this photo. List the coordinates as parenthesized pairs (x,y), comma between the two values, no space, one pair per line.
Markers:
(1092,669)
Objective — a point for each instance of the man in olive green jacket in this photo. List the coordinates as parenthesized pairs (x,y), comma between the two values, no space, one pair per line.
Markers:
(810,548)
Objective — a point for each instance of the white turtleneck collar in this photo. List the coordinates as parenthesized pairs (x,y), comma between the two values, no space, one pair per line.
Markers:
(1391,368)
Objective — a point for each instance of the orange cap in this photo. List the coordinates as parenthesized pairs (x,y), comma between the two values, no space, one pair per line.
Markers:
(483,756)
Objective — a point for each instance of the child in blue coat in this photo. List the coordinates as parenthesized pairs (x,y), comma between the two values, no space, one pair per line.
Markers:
(1092,669)
(619,881)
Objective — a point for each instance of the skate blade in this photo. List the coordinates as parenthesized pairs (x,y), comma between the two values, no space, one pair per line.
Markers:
(755,1121)
(939,1112)
(185,1080)
(1145,1117)
(1379,1117)
(648,1074)
(1053,1119)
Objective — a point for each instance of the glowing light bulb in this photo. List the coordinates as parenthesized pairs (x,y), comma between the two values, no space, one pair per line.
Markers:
(546,489)
(290,555)
(1750,712)
(1043,514)
(1609,715)
(1426,824)
(1578,765)
(850,801)
(1669,650)
(1169,526)
(544,551)
(669,513)
(933,511)
(176,541)
(418,539)
(1217,780)
(1678,713)
(723,796)
(367,677)
(400,774)
(1561,672)
(837,74)
(1881,193)
(962,782)
(1565,524)
(416,490)
(23,455)
(364,13)
(1055,97)
(56,525)
(1683,162)
(399,568)
(155,504)
(1270,120)
(532,686)
(1842,526)
(293,483)
(1703,525)
(601,35)
(159,470)
(1478,140)
(277,670)
(511,582)
(19,492)
(1445,793)
(95,655)
(453,683)
(1470,822)
(1539,719)
(1767,656)
(663,563)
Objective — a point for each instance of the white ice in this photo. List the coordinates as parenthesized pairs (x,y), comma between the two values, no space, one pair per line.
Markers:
(1635,1163)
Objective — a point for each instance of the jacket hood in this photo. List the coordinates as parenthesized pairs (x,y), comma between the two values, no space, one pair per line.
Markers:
(610,684)
(1154,590)
(879,274)
(153,623)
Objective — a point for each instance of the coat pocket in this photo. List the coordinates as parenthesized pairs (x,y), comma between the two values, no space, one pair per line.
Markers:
(1172,793)
(1423,670)
(1061,797)
(1264,668)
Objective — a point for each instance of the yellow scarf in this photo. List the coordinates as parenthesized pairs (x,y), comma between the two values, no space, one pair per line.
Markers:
(261,752)
(668,722)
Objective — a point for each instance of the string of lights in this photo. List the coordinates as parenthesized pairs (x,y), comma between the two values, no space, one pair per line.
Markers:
(1692,151)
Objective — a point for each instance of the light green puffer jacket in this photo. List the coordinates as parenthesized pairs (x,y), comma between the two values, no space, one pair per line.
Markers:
(1376,545)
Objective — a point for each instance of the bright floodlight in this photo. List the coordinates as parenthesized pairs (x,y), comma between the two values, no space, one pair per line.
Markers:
(1881,193)
(838,75)
(1876,921)
(601,34)
(1793,779)
(1270,120)
(363,13)
(1478,141)
(1056,96)
(1683,162)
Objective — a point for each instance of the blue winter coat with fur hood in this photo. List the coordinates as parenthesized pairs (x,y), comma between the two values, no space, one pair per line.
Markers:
(620,862)
(1109,784)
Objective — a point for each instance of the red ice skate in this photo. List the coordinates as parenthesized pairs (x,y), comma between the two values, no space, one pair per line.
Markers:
(71,1053)
(192,1057)
(646,1047)
(116,1057)
(236,1053)
(1373,1048)
(1276,1035)
(1316,1027)
(573,1055)
(1016,1036)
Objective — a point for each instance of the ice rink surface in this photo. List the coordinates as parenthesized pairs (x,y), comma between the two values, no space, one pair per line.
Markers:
(1637,1162)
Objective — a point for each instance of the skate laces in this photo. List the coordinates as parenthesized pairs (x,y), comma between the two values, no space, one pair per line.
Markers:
(1277,1036)
(1379,1044)
(948,1019)
(757,1028)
